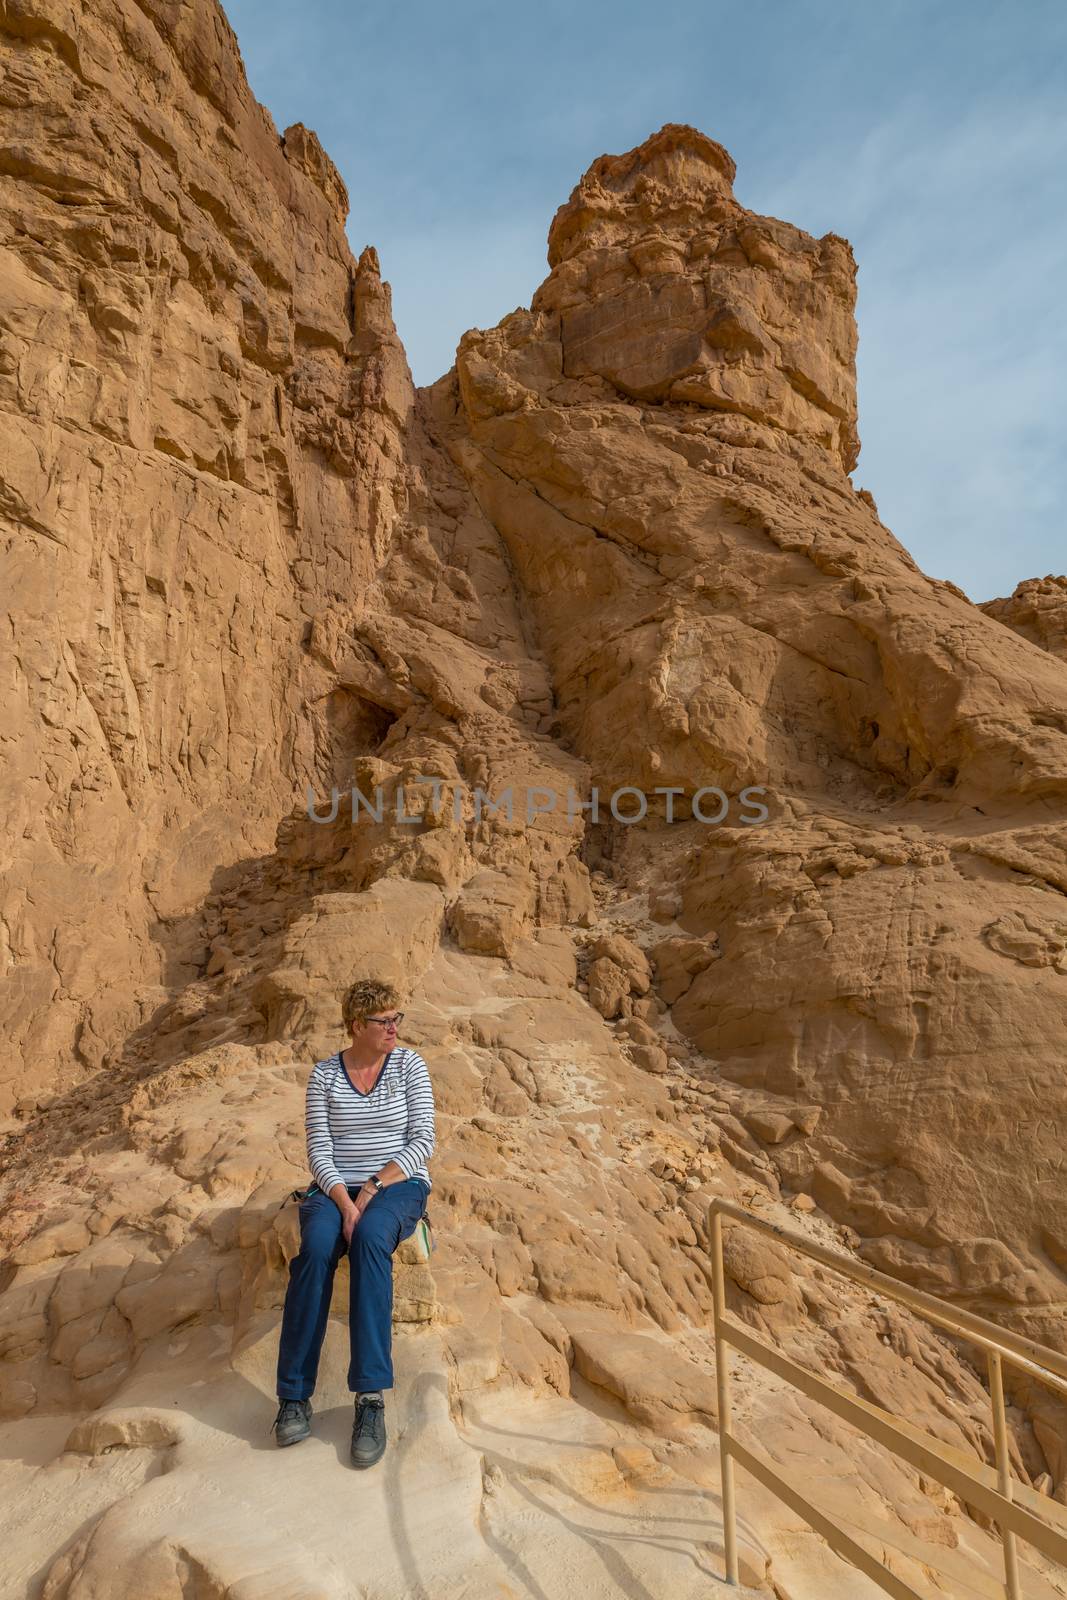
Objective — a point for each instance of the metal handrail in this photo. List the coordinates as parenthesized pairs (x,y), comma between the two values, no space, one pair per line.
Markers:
(939,1461)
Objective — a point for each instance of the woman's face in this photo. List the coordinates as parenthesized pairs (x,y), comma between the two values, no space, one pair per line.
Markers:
(379,1031)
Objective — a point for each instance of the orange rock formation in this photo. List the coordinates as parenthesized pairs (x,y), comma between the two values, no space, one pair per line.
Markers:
(617,546)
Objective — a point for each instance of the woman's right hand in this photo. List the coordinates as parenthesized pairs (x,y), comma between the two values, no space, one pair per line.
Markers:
(348,1223)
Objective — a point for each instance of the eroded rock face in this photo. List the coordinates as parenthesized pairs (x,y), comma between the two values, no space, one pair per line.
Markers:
(718,603)
(669,290)
(720,606)
(1038,611)
(616,546)
(201,388)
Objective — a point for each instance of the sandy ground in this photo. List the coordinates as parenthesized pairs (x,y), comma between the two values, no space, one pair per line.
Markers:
(180,1478)
(176,1490)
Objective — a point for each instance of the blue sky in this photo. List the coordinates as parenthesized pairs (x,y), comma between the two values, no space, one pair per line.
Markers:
(932,136)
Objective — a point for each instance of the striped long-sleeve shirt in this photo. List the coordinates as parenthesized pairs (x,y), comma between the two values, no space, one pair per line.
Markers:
(351,1135)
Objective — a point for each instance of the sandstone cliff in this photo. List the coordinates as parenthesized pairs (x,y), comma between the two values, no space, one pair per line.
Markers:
(617,546)
(1038,611)
(204,384)
(663,442)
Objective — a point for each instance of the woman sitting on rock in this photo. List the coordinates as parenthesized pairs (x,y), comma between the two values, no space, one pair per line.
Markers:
(370,1133)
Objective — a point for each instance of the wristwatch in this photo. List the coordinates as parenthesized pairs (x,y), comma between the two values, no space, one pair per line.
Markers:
(377,1182)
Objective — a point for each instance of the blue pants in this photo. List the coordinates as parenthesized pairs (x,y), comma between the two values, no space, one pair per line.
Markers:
(390,1217)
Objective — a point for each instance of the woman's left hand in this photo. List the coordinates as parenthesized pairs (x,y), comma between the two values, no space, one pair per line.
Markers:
(359,1205)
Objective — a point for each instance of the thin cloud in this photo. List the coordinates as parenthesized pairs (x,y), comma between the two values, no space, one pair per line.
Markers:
(963,345)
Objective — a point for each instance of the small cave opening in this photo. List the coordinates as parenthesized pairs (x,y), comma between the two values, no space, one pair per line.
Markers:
(601,848)
(353,727)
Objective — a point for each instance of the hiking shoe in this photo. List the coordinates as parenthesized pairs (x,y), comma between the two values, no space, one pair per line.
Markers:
(293,1421)
(368,1430)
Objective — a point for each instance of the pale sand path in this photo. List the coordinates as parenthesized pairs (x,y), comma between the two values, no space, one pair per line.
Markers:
(526,1499)
(177,1489)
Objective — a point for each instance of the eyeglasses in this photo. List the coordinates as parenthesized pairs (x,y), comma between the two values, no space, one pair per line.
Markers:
(388,1022)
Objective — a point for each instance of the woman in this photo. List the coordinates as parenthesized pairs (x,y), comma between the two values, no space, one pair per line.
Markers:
(370,1133)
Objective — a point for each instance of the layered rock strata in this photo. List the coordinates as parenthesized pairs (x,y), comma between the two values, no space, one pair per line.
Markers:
(202,388)
(663,440)
(616,547)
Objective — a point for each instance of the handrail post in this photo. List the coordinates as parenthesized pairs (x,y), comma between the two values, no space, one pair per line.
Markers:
(1014,1521)
(1000,1434)
(722,1384)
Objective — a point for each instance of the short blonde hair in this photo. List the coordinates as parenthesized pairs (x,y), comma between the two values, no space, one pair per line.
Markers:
(366,997)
